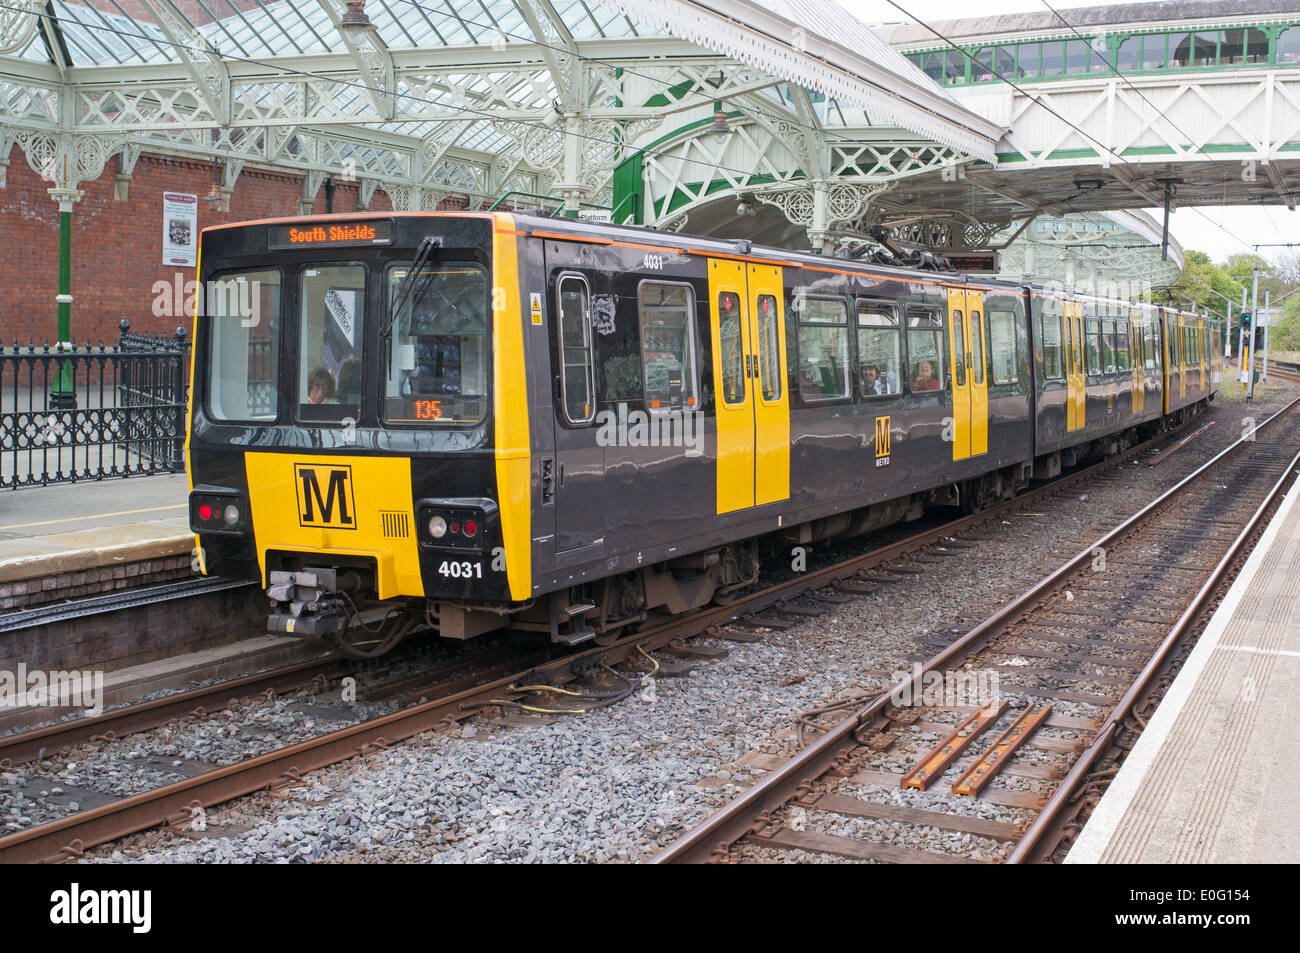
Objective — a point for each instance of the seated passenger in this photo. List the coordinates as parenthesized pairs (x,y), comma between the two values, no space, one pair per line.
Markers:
(925,379)
(320,386)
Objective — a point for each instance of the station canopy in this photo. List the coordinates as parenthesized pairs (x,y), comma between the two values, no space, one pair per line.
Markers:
(433,98)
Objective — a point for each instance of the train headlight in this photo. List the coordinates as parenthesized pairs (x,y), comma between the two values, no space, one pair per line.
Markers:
(230,514)
(437,527)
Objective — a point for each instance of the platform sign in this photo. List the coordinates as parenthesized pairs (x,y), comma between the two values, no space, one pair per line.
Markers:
(180,229)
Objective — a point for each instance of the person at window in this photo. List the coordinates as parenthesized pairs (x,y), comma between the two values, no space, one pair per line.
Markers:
(871,382)
(925,379)
(349,390)
(320,386)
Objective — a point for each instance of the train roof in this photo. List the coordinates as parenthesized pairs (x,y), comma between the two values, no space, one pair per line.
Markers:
(539,225)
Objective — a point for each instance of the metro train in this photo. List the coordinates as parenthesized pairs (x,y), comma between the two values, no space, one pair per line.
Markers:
(485,421)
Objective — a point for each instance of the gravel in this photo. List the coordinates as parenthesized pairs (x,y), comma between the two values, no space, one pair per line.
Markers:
(617,784)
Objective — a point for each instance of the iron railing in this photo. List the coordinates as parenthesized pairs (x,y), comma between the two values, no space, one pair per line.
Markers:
(81,412)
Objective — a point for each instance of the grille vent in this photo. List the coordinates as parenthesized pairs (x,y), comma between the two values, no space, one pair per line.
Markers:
(397,525)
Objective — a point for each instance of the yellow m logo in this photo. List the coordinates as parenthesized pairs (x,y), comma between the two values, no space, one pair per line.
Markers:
(332,507)
(882,436)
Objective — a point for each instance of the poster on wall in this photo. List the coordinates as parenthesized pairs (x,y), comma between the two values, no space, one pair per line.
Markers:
(180,229)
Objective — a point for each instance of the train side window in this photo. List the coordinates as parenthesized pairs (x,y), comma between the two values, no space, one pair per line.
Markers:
(1002,345)
(925,350)
(978,359)
(732,348)
(1150,352)
(1053,352)
(243,354)
(1108,346)
(823,347)
(880,351)
(959,351)
(1121,345)
(769,346)
(668,351)
(577,380)
(1092,335)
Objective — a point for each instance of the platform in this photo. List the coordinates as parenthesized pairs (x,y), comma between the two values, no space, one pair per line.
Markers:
(69,540)
(1213,778)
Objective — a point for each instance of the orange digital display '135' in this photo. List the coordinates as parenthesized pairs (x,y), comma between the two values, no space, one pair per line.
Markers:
(428,410)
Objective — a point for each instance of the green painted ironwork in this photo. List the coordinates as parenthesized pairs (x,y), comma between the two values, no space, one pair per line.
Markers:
(1155,52)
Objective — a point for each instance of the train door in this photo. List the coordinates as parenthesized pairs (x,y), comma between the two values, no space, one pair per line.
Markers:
(772,403)
(751,405)
(577,476)
(1075,379)
(970,401)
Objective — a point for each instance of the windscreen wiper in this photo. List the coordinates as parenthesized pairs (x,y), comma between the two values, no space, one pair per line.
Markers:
(422,255)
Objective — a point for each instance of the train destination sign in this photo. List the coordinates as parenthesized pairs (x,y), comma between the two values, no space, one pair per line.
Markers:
(332,233)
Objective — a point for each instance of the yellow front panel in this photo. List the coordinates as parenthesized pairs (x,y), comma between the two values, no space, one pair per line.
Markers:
(772,443)
(332,505)
(977,331)
(960,388)
(735,421)
(510,388)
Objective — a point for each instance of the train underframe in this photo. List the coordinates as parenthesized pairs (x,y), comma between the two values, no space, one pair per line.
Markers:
(331,601)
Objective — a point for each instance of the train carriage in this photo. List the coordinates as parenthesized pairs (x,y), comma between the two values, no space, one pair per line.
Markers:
(476,421)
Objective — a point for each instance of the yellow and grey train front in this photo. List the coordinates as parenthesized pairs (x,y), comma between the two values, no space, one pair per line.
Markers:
(354,439)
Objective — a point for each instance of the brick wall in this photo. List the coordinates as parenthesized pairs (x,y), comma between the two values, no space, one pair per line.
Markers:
(117,246)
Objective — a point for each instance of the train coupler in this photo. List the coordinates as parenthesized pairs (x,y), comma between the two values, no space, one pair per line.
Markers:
(305,604)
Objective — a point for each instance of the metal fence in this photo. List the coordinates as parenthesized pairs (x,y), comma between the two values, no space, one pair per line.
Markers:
(90,412)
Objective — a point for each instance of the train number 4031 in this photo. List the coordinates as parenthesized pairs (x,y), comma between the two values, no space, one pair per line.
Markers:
(461,570)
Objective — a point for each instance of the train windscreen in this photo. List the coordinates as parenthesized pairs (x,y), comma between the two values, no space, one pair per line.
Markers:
(439,356)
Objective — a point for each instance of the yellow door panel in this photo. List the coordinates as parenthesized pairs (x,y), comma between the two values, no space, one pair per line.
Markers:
(977,369)
(326,504)
(772,403)
(1076,382)
(957,371)
(734,397)
(1068,321)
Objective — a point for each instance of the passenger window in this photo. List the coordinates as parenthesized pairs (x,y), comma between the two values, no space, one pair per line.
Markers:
(329,345)
(880,357)
(1092,334)
(577,382)
(1151,353)
(769,346)
(1002,345)
(731,347)
(977,347)
(823,347)
(959,349)
(243,355)
(668,345)
(1053,362)
(1108,346)
(925,350)
(1121,346)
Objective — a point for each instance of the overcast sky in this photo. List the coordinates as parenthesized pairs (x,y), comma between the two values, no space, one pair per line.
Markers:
(1217,230)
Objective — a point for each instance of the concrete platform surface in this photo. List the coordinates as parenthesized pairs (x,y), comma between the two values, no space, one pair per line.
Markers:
(47,510)
(1215,777)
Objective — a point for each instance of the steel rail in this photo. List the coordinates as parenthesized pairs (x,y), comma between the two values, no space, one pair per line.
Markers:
(733,821)
(1059,800)
(72,835)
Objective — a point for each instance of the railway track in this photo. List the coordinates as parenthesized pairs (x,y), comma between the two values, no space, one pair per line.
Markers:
(448,696)
(1080,657)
